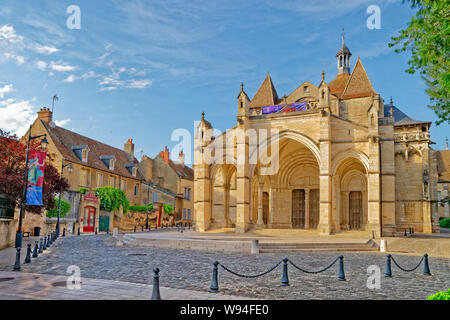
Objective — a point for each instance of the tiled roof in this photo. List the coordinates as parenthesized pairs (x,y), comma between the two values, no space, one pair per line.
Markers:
(443,159)
(358,84)
(65,139)
(266,94)
(337,86)
(181,170)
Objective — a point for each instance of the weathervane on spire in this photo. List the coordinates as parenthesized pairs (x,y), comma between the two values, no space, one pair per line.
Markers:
(55,98)
(343,35)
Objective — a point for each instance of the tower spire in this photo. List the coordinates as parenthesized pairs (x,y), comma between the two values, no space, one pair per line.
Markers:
(343,57)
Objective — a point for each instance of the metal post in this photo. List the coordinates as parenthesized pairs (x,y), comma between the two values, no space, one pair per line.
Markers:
(17,264)
(36,249)
(78,230)
(155,294)
(178,227)
(142,228)
(341,275)
(64,232)
(134,228)
(214,288)
(388,272)
(148,203)
(285,277)
(28,257)
(96,230)
(426,267)
(41,246)
(44,246)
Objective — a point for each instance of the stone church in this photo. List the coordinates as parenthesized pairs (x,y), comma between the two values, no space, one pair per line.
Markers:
(345,160)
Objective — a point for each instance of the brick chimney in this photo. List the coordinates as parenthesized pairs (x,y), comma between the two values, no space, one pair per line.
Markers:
(165,154)
(128,147)
(181,158)
(45,115)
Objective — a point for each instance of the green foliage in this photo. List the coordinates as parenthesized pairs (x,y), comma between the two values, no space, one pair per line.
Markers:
(141,208)
(65,208)
(445,223)
(441,295)
(168,209)
(112,199)
(82,190)
(427,38)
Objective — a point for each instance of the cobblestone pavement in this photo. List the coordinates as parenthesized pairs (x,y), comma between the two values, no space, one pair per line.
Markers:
(186,269)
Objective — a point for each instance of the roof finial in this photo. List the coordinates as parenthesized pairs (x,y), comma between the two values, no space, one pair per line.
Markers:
(343,35)
(391,112)
(392,102)
(323,75)
(242,87)
(203,115)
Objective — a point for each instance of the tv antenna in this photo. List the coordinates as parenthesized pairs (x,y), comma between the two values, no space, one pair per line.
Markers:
(55,98)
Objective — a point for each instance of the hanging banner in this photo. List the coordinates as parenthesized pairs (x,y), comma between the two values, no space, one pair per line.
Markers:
(299,106)
(35,183)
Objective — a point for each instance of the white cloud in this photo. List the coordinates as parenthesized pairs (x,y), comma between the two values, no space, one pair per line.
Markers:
(46,49)
(70,78)
(8,34)
(62,123)
(139,84)
(19,59)
(41,65)
(16,116)
(60,67)
(89,74)
(110,88)
(5,89)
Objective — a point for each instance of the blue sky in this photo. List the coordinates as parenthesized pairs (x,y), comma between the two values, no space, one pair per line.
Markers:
(141,69)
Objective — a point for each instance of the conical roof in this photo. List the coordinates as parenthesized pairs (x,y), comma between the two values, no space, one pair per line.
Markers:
(266,94)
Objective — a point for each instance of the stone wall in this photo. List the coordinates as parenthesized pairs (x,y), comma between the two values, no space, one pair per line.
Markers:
(127,221)
(7,232)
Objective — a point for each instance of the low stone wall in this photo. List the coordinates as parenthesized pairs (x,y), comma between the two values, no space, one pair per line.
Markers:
(436,247)
(7,232)
(127,221)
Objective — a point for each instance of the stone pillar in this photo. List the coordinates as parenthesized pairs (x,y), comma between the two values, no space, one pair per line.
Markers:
(346,209)
(325,225)
(260,205)
(373,187)
(307,208)
(226,204)
(202,197)
(242,179)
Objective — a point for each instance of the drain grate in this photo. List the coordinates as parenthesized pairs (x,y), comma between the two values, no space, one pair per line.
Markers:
(6,279)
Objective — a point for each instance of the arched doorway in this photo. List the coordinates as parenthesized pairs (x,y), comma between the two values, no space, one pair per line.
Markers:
(224,197)
(298,209)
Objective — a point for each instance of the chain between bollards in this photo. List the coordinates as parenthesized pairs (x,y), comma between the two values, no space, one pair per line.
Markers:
(155,294)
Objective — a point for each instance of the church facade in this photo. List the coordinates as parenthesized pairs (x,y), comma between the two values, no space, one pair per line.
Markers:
(332,157)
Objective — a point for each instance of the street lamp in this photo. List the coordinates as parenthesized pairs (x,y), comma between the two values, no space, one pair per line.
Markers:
(44,144)
(69,167)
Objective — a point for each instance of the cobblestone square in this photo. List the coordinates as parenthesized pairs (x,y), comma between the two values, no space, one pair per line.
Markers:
(99,258)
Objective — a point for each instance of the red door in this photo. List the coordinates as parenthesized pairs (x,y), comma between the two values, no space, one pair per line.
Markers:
(89,219)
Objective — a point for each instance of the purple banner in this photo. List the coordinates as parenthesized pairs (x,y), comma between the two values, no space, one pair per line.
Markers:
(299,106)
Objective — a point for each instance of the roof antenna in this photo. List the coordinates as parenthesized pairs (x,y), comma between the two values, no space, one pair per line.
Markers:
(55,98)
(343,35)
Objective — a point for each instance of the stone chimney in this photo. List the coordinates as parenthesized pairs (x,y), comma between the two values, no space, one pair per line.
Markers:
(128,147)
(181,158)
(45,115)
(165,154)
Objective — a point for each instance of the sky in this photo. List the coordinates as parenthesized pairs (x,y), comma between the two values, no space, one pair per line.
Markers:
(141,69)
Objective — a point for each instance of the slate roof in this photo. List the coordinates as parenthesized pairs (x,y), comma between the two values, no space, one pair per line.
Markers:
(400,118)
(65,139)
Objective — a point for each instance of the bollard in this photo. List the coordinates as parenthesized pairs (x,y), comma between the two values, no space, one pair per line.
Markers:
(341,275)
(96,232)
(285,277)
(107,231)
(189,226)
(17,264)
(255,246)
(35,251)
(155,294)
(214,288)
(134,228)
(41,246)
(78,230)
(142,229)
(405,232)
(178,227)
(44,244)
(426,267)
(28,256)
(49,240)
(64,232)
(388,272)
(412,230)
(182,227)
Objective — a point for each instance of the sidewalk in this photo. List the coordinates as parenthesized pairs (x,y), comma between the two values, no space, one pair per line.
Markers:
(32,286)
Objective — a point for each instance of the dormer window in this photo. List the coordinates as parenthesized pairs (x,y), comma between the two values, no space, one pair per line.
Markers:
(134,171)
(132,168)
(82,152)
(109,161)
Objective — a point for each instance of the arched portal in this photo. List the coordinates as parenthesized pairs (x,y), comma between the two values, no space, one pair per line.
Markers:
(223,208)
(350,194)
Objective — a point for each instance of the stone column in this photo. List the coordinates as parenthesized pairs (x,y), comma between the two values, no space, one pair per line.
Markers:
(307,208)
(226,205)
(260,205)
(242,179)
(202,197)
(346,209)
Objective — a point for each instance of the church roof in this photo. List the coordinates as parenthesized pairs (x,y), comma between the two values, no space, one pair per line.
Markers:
(358,84)
(266,94)
(337,86)
(400,118)
(443,166)
(343,50)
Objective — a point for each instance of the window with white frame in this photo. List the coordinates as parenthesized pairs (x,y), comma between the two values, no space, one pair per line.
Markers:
(84,154)
(134,171)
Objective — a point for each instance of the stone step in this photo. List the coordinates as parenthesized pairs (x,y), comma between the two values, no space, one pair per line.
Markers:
(344,249)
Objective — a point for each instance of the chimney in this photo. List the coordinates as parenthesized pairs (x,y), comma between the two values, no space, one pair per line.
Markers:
(165,154)
(181,158)
(128,147)
(45,115)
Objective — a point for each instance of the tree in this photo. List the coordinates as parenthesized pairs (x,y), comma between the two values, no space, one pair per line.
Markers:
(427,38)
(168,209)
(112,199)
(12,166)
(65,208)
